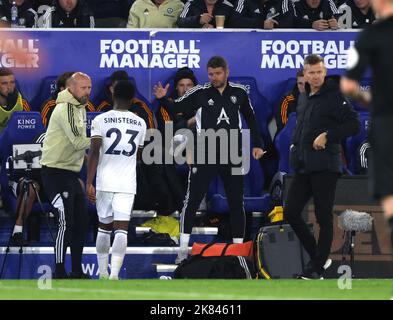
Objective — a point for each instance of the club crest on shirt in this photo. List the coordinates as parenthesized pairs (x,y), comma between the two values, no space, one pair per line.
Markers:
(233,99)
(65,194)
(169,10)
(211,102)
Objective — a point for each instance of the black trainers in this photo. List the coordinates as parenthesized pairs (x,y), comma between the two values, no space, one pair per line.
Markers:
(311,272)
(17,240)
(79,275)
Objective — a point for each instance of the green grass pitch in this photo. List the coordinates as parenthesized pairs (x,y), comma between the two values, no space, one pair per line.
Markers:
(196,290)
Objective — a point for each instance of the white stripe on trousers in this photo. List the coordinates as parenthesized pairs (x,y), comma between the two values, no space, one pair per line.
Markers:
(244,218)
(186,198)
(244,265)
(59,247)
(363,159)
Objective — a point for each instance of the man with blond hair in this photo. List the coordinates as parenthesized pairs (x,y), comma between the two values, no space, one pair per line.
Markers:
(323,119)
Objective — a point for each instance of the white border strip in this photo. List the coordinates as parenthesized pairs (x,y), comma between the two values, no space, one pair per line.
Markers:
(205,230)
(179,30)
(92,250)
(166,267)
(196,230)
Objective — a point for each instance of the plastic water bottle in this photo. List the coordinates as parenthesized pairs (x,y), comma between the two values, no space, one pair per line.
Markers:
(14,15)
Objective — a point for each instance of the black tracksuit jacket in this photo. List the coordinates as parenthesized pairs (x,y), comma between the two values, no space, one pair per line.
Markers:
(80,17)
(280,10)
(305,15)
(326,110)
(216,111)
(26,13)
(191,14)
(359,20)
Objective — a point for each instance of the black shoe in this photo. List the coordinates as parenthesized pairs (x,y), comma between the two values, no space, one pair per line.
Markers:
(17,240)
(79,275)
(311,272)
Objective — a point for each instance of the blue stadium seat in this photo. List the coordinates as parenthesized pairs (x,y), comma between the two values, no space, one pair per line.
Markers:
(46,89)
(365,85)
(22,128)
(255,199)
(89,118)
(289,85)
(280,89)
(283,142)
(352,143)
(264,113)
(262,108)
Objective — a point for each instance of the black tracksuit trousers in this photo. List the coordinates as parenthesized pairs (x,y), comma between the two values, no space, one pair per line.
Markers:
(198,183)
(321,186)
(65,192)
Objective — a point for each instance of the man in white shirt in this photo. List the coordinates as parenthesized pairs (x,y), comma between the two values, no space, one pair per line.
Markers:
(115,137)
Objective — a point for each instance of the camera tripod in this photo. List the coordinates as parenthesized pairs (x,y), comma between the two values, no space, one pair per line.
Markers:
(25,183)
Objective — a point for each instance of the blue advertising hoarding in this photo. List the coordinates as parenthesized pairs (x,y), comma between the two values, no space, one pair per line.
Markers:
(151,56)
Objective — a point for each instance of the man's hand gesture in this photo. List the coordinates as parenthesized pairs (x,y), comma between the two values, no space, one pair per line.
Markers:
(159,91)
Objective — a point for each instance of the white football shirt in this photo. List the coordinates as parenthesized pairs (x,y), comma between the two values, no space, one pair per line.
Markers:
(121,132)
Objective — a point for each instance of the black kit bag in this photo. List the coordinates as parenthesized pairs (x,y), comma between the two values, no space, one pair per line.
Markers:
(219,267)
(157,239)
(150,239)
(279,253)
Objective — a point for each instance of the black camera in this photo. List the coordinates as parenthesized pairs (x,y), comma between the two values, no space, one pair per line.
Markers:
(24,162)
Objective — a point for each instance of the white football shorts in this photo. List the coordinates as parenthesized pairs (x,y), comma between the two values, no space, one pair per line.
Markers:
(114,206)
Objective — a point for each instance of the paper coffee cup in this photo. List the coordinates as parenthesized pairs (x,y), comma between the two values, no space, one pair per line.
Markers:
(220,20)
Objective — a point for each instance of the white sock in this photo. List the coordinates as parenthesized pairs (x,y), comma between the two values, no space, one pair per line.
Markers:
(103,244)
(119,248)
(184,240)
(237,240)
(17,229)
